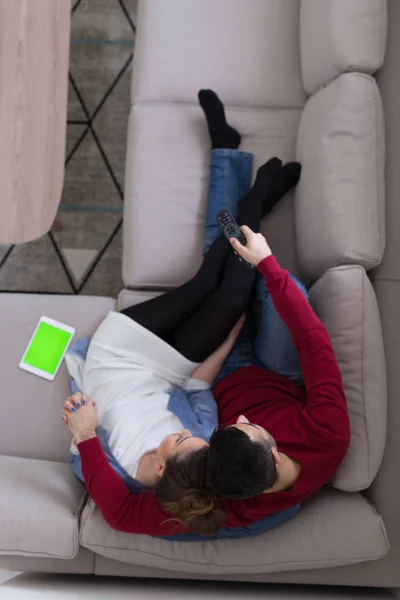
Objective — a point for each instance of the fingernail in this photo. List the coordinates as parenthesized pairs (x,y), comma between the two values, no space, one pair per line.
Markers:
(63,418)
(78,405)
(73,409)
(83,401)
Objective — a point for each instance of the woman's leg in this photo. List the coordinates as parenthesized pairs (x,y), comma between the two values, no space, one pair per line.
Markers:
(164,314)
(230,177)
(167,313)
(205,330)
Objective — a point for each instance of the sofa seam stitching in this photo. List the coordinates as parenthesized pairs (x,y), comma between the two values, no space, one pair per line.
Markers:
(363,381)
(377,100)
(384,18)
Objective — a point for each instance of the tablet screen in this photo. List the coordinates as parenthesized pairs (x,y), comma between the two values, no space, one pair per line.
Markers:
(47,348)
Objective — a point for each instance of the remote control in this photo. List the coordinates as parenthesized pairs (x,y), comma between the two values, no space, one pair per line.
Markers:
(231,229)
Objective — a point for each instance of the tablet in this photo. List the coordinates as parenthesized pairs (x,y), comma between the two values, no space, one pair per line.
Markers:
(47,347)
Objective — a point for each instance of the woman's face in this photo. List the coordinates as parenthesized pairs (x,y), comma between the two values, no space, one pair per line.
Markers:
(177,443)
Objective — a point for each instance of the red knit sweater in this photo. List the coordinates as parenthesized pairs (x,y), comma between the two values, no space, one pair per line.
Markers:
(311,425)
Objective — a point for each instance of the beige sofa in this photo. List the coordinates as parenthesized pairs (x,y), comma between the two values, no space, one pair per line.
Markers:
(297,77)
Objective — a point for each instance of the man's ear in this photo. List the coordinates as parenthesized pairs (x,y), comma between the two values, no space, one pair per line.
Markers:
(276,455)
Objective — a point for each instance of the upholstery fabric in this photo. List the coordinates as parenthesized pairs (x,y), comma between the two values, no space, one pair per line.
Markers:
(339,207)
(39,433)
(335,528)
(231,47)
(338,36)
(167,183)
(40,503)
(345,301)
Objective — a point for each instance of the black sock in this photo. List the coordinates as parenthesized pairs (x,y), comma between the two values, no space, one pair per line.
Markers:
(222,135)
(279,185)
(253,203)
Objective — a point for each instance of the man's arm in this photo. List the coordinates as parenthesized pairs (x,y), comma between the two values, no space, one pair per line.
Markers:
(325,412)
(326,402)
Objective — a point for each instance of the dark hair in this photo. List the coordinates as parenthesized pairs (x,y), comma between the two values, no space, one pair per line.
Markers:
(240,467)
(183,492)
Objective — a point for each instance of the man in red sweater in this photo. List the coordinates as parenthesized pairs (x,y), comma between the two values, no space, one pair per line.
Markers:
(276,436)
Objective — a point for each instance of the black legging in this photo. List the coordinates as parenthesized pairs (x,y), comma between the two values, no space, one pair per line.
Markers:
(196,317)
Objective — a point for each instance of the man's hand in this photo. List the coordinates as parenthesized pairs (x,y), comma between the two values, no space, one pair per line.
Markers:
(80,414)
(256,248)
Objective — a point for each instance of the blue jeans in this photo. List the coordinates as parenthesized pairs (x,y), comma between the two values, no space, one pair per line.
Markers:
(272,346)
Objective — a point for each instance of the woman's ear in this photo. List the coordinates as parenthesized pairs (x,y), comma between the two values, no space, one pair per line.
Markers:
(160,468)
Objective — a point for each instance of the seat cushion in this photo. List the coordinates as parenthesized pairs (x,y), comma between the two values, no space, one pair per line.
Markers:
(333,528)
(339,208)
(345,301)
(167,183)
(228,46)
(38,433)
(40,505)
(338,36)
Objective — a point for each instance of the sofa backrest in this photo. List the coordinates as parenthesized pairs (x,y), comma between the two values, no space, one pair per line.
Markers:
(339,36)
(339,209)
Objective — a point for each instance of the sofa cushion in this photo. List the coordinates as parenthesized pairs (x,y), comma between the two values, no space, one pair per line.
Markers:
(338,36)
(339,208)
(166,188)
(40,505)
(19,314)
(333,528)
(184,46)
(131,297)
(345,301)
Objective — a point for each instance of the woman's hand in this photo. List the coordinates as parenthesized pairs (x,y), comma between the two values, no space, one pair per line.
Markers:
(209,369)
(233,335)
(80,414)
(256,248)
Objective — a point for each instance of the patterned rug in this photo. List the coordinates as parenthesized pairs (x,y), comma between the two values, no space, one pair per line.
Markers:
(82,252)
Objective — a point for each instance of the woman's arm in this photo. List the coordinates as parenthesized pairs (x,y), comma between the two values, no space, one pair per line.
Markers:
(209,369)
(122,510)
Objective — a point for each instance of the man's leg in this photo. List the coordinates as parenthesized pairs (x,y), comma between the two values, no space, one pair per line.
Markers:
(274,345)
(230,179)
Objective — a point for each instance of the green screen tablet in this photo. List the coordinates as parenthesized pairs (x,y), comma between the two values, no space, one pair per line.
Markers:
(47,347)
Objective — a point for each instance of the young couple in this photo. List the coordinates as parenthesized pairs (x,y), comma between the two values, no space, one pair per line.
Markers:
(283,423)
